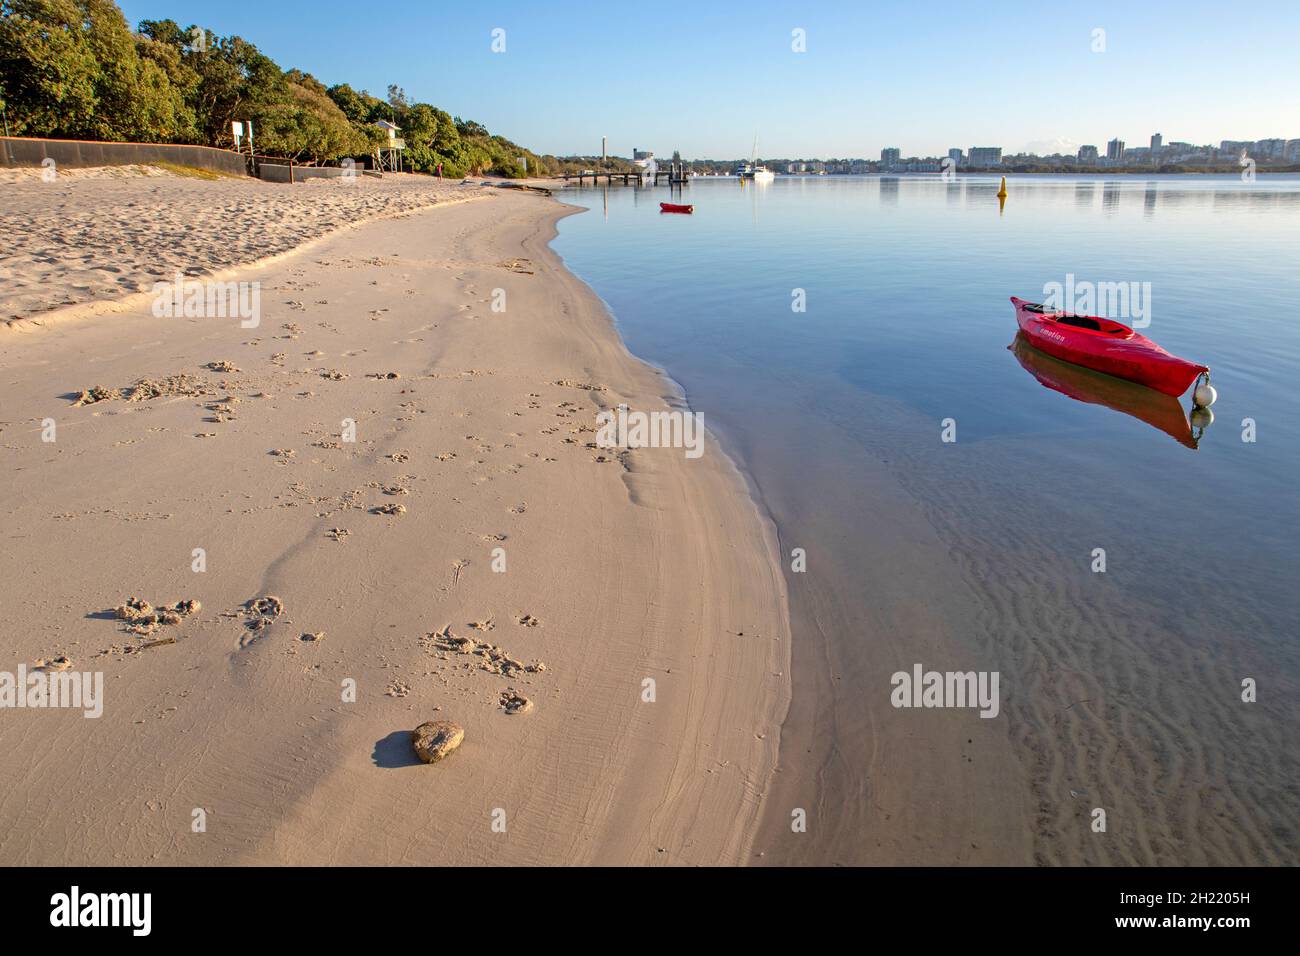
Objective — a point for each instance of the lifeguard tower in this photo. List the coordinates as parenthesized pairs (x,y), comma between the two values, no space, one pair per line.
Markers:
(388,157)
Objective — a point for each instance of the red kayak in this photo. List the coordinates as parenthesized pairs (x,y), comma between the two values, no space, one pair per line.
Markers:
(674,207)
(1105,346)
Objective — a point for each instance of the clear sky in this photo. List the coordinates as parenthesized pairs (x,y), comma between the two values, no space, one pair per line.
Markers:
(705,77)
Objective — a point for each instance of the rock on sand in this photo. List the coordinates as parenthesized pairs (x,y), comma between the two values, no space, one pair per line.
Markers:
(435,739)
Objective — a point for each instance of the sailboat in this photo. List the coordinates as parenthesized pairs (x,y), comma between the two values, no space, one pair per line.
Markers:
(753,169)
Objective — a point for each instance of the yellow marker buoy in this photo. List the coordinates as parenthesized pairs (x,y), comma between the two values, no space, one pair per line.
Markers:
(1002,193)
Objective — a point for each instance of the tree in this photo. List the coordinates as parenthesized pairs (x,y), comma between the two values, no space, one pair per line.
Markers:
(470,128)
(48,70)
(307,124)
(351,102)
(73,68)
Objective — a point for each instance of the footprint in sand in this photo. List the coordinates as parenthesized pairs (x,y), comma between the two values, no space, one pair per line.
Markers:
(458,566)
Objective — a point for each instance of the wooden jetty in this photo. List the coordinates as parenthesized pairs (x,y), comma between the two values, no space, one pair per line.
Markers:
(672,171)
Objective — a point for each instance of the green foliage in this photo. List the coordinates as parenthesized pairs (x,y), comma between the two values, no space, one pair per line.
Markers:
(307,125)
(47,69)
(73,68)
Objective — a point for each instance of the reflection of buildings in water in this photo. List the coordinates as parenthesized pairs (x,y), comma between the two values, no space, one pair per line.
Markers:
(1149,200)
(1184,197)
(889,190)
(955,191)
(1256,195)
(1173,195)
(1085,194)
(1110,196)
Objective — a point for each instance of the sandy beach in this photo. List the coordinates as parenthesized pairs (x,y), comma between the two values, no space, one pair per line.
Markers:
(387,498)
(103,234)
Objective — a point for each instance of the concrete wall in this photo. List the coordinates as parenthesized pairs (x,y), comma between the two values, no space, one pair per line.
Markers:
(73,154)
(279,172)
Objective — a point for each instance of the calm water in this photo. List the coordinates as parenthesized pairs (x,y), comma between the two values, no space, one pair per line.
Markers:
(981,550)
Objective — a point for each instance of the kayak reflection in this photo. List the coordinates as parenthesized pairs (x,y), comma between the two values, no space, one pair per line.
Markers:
(1082,384)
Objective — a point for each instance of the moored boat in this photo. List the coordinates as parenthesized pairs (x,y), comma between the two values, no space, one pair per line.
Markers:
(1105,345)
(754,170)
(675,207)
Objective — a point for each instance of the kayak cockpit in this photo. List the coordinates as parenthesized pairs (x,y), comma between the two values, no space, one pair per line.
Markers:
(1090,323)
(1084,323)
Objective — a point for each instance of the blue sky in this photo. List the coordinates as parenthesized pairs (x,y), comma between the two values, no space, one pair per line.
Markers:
(920,76)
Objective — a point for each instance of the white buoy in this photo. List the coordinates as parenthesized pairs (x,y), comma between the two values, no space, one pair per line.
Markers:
(1205,395)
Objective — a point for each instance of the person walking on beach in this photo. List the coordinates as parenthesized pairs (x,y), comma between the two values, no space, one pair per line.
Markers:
(440,170)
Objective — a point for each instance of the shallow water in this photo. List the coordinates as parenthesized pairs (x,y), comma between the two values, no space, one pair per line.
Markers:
(1121,689)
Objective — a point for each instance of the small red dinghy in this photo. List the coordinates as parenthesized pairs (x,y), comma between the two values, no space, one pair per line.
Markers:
(1105,346)
(674,207)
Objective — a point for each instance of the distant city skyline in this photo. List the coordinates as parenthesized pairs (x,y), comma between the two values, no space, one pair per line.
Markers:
(1116,151)
(707,81)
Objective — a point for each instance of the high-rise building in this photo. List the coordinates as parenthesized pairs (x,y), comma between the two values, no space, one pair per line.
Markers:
(1115,150)
(1269,148)
(1157,141)
(982,157)
(1088,154)
(889,156)
(955,155)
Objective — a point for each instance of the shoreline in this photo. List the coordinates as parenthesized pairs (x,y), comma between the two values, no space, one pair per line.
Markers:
(964,557)
(642,565)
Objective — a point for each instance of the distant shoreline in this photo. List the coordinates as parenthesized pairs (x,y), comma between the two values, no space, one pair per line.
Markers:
(1010,170)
